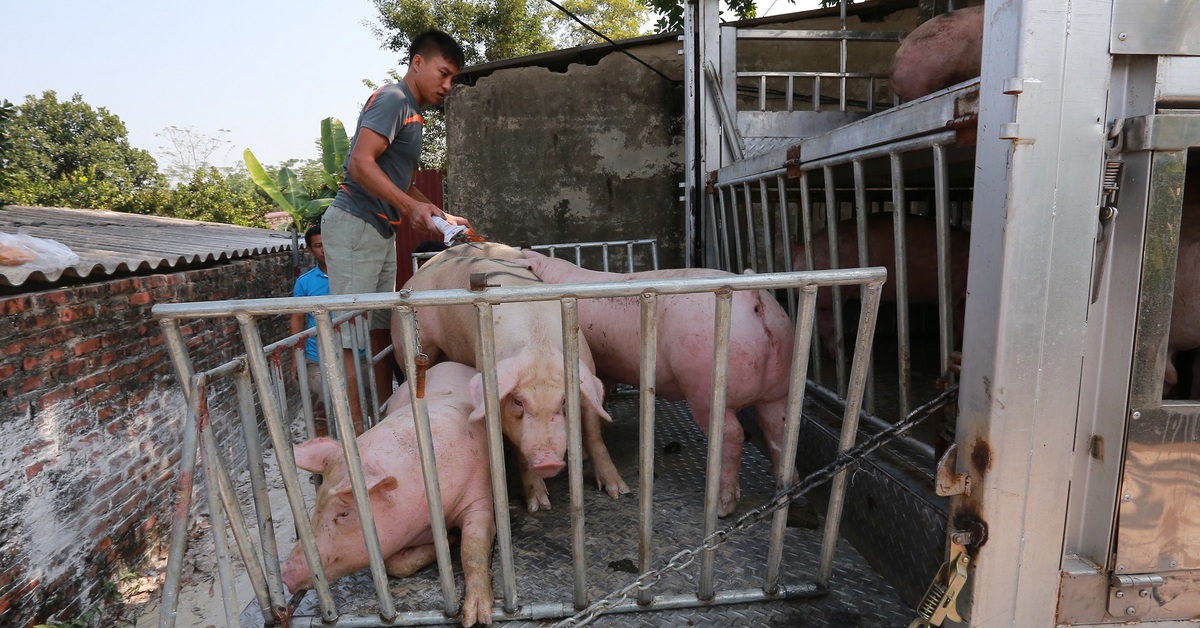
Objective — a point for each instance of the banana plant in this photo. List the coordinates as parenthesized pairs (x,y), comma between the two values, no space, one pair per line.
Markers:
(286,189)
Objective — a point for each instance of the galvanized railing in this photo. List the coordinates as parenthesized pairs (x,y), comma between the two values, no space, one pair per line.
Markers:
(254,373)
(759,207)
(629,247)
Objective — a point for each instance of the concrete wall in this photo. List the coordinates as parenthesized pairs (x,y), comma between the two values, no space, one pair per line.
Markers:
(595,153)
(90,422)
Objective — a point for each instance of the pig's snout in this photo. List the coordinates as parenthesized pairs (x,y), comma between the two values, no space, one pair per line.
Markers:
(547,466)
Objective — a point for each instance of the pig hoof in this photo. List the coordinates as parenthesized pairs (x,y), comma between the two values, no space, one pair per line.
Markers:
(539,502)
(729,502)
(614,489)
(477,609)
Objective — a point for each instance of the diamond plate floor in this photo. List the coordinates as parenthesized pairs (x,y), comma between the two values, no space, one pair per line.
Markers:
(859,597)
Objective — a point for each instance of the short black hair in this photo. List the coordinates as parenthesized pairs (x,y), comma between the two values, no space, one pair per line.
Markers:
(434,42)
(314,230)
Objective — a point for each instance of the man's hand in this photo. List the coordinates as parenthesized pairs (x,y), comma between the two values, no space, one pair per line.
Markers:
(422,218)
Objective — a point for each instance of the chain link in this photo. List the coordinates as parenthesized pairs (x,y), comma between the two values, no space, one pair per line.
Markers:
(781,500)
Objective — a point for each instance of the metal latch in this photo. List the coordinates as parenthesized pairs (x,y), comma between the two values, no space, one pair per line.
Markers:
(1108,216)
(949,481)
(941,600)
(1131,596)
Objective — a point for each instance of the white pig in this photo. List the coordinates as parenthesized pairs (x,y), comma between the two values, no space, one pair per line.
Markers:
(943,51)
(760,353)
(529,365)
(392,467)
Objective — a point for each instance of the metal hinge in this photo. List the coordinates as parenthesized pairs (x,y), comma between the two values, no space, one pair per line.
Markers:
(941,600)
(1130,596)
(1108,216)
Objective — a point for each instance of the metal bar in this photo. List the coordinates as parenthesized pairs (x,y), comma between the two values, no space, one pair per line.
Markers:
(816,93)
(183,489)
(579,256)
(654,253)
(629,257)
(262,498)
(842,59)
(785,236)
(726,265)
(791,93)
(649,367)
(787,460)
(716,437)
(903,344)
(883,150)
(754,177)
(552,610)
(371,417)
(736,146)
(433,491)
(358,483)
(570,337)
(839,334)
(837,491)
(825,35)
(751,241)
(762,93)
(491,399)
(860,210)
(355,350)
(713,233)
(604,253)
(941,197)
(215,515)
(807,226)
(540,292)
(739,262)
(300,359)
(768,248)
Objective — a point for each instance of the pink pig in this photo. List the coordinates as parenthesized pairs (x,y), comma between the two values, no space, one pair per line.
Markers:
(1184,334)
(392,467)
(943,51)
(760,352)
(529,365)
(921,239)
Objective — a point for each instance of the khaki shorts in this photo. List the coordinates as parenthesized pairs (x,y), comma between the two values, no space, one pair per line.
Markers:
(359,261)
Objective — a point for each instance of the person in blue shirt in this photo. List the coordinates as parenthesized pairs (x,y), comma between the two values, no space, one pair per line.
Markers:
(313,283)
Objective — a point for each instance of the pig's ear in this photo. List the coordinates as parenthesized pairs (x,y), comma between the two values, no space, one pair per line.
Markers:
(508,372)
(523,262)
(592,390)
(531,254)
(377,479)
(314,455)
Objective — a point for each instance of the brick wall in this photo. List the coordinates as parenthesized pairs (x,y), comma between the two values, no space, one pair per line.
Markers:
(90,422)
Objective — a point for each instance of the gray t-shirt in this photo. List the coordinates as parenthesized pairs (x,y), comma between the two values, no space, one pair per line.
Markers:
(392,112)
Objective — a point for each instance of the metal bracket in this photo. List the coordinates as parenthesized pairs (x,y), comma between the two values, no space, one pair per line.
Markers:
(941,600)
(948,481)
(1130,597)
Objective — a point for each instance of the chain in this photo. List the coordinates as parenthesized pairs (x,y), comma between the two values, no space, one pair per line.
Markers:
(781,500)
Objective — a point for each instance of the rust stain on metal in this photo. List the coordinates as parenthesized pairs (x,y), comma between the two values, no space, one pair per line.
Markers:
(981,456)
(793,162)
(422,362)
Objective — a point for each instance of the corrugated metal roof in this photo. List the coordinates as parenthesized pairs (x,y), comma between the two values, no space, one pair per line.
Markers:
(110,242)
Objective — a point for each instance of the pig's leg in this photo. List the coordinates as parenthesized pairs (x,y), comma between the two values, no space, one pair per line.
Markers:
(731,456)
(478,530)
(536,495)
(772,419)
(409,560)
(608,479)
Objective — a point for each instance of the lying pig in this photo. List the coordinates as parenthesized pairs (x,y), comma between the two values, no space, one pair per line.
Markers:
(760,353)
(392,467)
(921,235)
(943,51)
(529,365)
(1184,333)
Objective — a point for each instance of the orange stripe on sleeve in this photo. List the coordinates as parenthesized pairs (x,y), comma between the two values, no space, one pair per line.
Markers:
(415,118)
(372,99)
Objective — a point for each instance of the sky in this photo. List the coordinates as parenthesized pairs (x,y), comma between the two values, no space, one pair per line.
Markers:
(268,72)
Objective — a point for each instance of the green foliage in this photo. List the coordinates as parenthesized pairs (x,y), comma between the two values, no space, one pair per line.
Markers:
(305,200)
(212,197)
(7,111)
(488,30)
(616,19)
(69,154)
(670,12)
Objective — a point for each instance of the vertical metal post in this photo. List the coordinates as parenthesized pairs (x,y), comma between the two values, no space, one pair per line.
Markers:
(837,491)
(356,350)
(751,241)
(491,398)
(716,436)
(629,251)
(785,238)
(258,483)
(579,256)
(183,488)
(215,513)
(649,366)
(328,346)
(768,248)
(739,261)
(832,212)
(570,331)
(941,196)
(787,460)
(433,491)
(604,254)
(864,259)
(806,225)
(300,359)
(903,342)
(724,227)
(842,56)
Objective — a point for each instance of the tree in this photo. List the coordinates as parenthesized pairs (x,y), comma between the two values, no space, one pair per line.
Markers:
(488,30)
(670,12)
(616,19)
(7,111)
(187,150)
(210,196)
(67,153)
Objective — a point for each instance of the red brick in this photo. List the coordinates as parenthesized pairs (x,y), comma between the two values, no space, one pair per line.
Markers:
(14,305)
(102,395)
(32,470)
(31,384)
(7,371)
(141,298)
(87,346)
(78,312)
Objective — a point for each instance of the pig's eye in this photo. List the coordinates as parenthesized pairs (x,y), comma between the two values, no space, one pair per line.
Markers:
(518,403)
(342,515)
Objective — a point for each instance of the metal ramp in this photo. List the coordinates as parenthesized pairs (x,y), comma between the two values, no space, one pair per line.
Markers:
(858,596)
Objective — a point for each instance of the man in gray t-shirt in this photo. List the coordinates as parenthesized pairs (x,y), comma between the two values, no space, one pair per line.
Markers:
(359,228)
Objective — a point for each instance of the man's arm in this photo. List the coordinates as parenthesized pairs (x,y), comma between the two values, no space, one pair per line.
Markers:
(363,167)
(296,324)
